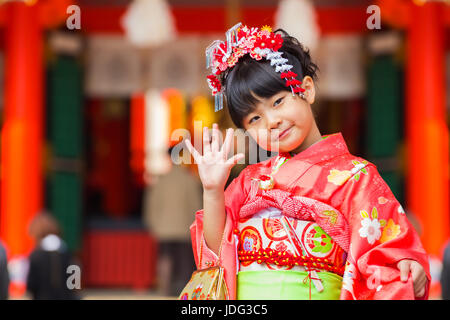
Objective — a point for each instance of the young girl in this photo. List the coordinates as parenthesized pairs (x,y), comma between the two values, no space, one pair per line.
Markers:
(315,222)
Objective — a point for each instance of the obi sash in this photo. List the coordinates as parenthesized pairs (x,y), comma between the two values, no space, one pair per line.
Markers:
(265,245)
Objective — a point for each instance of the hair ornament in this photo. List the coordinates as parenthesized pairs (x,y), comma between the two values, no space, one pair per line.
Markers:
(242,40)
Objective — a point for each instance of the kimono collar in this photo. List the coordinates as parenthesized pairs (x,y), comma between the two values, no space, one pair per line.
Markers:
(329,147)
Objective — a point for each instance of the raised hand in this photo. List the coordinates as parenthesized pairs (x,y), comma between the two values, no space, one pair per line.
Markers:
(213,166)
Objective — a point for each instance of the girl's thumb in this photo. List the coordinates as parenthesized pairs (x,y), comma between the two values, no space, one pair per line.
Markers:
(404,268)
(234,159)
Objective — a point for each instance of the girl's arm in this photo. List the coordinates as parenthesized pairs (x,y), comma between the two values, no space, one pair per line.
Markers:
(213,218)
(214,169)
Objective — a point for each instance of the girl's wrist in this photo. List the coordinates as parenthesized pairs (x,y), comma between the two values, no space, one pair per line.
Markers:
(213,192)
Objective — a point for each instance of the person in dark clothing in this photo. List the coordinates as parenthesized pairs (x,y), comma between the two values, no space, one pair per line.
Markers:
(4,274)
(445,275)
(48,262)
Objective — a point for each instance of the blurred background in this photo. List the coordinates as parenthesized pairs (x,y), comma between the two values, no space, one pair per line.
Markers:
(92,93)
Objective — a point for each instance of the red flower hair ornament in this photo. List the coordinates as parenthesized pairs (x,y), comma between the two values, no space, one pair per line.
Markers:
(258,43)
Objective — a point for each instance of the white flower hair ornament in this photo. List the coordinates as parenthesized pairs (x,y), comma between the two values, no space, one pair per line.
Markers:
(242,40)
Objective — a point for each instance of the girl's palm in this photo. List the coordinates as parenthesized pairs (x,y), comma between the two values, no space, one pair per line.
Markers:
(213,166)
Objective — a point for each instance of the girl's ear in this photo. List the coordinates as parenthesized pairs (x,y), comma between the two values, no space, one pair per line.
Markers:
(310,91)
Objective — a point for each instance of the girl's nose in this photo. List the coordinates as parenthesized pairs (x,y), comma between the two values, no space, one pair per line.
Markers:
(273,121)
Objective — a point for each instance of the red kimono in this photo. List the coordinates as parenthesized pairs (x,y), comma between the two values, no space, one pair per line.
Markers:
(346,197)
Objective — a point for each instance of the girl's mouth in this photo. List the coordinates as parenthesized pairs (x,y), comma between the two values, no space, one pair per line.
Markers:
(284,133)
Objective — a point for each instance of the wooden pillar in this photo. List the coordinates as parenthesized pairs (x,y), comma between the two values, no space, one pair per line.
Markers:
(21,164)
(427,132)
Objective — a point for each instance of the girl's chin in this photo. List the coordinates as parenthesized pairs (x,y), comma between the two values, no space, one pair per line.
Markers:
(284,149)
(288,147)
(288,144)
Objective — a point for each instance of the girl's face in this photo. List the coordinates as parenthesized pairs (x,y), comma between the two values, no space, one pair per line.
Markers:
(284,122)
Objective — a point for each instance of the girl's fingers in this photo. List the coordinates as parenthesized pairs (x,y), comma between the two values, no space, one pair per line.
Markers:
(227,143)
(417,272)
(421,293)
(234,159)
(206,140)
(193,151)
(418,275)
(419,287)
(215,138)
(419,279)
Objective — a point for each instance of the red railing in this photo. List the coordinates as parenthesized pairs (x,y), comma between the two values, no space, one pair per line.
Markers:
(118,259)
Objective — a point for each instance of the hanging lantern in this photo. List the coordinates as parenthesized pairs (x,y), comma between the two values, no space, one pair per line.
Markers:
(157,159)
(149,135)
(298,18)
(149,23)
(341,62)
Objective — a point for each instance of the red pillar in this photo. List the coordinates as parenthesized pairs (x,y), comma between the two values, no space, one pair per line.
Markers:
(21,170)
(427,132)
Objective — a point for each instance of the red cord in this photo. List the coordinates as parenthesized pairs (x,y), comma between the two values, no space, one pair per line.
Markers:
(285,259)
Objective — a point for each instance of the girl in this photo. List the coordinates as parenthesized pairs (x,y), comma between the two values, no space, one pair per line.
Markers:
(315,222)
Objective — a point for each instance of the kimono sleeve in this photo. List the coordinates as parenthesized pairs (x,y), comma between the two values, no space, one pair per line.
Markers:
(381,236)
(235,195)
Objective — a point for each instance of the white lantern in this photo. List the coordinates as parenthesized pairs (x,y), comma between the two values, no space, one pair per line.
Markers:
(148,23)
(298,18)
(157,122)
(340,58)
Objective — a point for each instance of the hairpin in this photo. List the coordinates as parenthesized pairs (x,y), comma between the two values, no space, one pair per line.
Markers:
(258,43)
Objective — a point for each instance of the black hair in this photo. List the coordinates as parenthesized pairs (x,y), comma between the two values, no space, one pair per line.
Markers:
(251,79)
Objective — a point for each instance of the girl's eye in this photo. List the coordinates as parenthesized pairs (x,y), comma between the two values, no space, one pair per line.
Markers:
(278,101)
(253,119)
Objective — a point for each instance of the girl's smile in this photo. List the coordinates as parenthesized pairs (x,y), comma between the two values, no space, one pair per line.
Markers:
(284,133)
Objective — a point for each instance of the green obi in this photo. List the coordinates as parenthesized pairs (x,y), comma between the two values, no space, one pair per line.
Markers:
(286,285)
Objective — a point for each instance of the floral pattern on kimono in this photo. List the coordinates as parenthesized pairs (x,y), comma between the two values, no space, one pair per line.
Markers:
(381,236)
